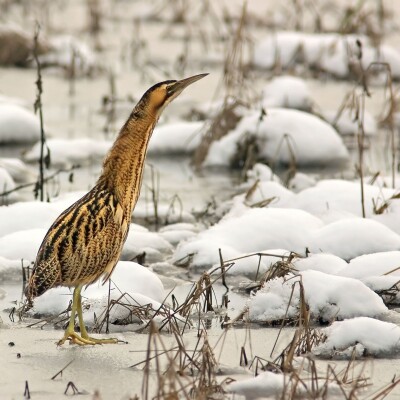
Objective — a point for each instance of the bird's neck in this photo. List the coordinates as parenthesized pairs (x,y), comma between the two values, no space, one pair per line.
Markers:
(124,164)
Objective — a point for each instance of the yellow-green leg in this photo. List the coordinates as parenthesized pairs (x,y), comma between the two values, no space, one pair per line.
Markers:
(70,334)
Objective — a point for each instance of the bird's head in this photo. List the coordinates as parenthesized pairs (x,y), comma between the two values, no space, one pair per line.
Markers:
(161,94)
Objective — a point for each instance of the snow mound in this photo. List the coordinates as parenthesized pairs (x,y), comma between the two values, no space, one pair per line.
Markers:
(261,172)
(128,277)
(175,138)
(373,265)
(369,336)
(252,231)
(270,385)
(22,244)
(300,182)
(337,195)
(332,53)
(287,92)
(328,297)
(67,51)
(18,125)
(151,243)
(65,152)
(253,265)
(352,237)
(347,125)
(282,135)
(327,263)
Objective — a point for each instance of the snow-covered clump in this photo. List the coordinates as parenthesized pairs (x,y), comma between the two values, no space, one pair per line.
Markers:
(369,337)
(379,271)
(65,152)
(18,125)
(252,231)
(332,53)
(260,194)
(140,284)
(270,385)
(261,172)
(352,237)
(68,52)
(300,182)
(287,92)
(176,138)
(328,297)
(140,240)
(347,125)
(253,265)
(178,232)
(21,244)
(323,262)
(373,265)
(33,214)
(283,135)
(337,195)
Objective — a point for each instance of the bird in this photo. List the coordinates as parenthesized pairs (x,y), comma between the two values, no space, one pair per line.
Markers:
(85,242)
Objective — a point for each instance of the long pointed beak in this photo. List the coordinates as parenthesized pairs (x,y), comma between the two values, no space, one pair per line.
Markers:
(177,87)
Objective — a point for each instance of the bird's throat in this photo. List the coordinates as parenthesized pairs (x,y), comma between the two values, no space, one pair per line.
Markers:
(124,164)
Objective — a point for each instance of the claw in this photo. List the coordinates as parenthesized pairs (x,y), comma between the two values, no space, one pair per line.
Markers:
(74,338)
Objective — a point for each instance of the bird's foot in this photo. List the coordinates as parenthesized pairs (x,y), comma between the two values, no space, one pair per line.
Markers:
(74,338)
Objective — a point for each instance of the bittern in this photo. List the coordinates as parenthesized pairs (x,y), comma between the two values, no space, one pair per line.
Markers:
(86,240)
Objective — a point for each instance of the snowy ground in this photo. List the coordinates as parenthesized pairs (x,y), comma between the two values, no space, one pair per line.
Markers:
(301,216)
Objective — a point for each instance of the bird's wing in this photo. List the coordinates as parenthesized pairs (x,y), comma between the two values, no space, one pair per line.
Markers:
(84,242)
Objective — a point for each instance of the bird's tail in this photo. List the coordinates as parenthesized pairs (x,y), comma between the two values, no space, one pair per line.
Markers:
(40,281)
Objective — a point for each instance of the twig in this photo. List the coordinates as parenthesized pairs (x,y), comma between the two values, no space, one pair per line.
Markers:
(62,370)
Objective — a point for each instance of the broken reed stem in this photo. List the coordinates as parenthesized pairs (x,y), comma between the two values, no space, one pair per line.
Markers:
(360,139)
(44,161)
(60,372)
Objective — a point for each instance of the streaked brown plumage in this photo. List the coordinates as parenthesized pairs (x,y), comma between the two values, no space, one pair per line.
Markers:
(85,241)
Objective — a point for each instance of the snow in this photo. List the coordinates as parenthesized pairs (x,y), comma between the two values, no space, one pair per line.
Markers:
(261,172)
(176,138)
(18,170)
(323,262)
(347,124)
(66,51)
(18,125)
(128,277)
(352,237)
(22,244)
(267,384)
(372,338)
(252,231)
(285,136)
(275,385)
(330,52)
(300,182)
(373,265)
(337,195)
(6,182)
(328,297)
(151,243)
(253,265)
(287,92)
